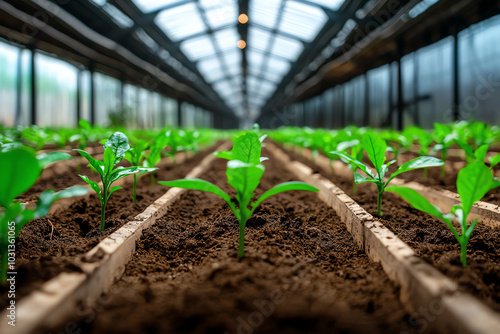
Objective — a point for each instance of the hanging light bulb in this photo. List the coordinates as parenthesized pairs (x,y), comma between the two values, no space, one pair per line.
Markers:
(243,18)
(241,44)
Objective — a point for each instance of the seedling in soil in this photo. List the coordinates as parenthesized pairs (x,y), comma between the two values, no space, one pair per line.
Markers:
(376,147)
(356,150)
(154,156)
(244,171)
(114,151)
(19,170)
(136,156)
(473,182)
(445,137)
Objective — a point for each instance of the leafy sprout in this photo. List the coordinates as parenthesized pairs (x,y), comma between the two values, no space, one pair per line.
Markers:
(244,172)
(114,151)
(376,147)
(473,182)
(135,155)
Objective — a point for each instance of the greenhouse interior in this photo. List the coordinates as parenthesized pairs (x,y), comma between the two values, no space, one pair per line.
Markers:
(249,166)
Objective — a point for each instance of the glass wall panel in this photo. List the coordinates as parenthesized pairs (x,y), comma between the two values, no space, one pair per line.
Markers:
(107,98)
(56,82)
(9,59)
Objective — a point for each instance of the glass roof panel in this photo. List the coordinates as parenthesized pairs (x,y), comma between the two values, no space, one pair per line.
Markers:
(332,4)
(258,39)
(220,13)
(181,21)
(211,69)
(255,59)
(264,12)
(277,66)
(227,39)
(301,20)
(122,20)
(147,6)
(286,48)
(196,48)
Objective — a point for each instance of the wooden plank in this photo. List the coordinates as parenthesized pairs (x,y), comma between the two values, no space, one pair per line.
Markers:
(422,285)
(58,299)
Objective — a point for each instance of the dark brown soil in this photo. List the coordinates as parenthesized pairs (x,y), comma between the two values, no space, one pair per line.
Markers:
(302,272)
(49,245)
(432,240)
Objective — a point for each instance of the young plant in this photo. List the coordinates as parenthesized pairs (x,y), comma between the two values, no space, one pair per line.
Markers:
(376,147)
(155,150)
(445,137)
(19,170)
(136,156)
(244,171)
(473,182)
(114,151)
(356,151)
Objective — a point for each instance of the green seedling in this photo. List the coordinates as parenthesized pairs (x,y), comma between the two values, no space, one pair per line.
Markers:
(376,147)
(445,137)
(136,156)
(244,172)
(19,170)
(473,182)
(355,149)
(155,150)
(114,151)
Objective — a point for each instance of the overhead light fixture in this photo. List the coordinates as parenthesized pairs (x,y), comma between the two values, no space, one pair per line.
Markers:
(241,44)
(243,18)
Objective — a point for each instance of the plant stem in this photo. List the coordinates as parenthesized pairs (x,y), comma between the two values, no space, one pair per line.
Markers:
(332,170)
(134,197)
(463,253)
(379,203)
(425,173)
(354,189)
(103,207)
(443,173)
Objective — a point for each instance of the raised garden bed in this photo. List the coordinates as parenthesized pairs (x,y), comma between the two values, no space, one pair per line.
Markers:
(431,239)
(50,245)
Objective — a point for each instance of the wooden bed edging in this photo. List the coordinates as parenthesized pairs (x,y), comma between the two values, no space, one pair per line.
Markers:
(488,213)
(423,287)
(58,299)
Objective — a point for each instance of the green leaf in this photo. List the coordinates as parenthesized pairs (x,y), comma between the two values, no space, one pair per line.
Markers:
(98,165)
(84,124)
(244,178)
(223,155)
(197,184)
(351,160)
(341,147)
(480,153)
(119,143)
(287,186)
(120,172)
(108,160)
(47,158)
(419,202)
(19,170)
(94,185)
(112,190)
(495,160)
(246,148)
(375,147)
(420,162)
(473,182)
(359,179)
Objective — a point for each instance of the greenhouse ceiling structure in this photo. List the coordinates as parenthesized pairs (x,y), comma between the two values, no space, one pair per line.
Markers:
(241,60)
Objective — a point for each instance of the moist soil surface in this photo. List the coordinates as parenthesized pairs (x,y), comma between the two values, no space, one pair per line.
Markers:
(301,273)
(431,238)
(49,245)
